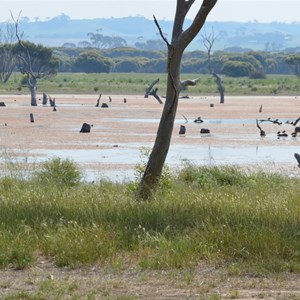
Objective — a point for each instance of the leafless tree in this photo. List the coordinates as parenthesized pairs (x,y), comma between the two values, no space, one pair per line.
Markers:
(180,40)
(208,42)
(34,61)
(7,58)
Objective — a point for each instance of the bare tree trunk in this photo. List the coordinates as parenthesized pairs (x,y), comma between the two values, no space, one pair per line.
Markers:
(160,150)
(180,40)
(32,88)
(208,41)
(220,87)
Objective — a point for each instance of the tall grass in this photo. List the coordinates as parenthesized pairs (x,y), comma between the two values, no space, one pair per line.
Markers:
(251,220)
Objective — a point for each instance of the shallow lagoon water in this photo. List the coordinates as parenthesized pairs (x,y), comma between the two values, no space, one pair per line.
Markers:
(196,154)
(113,148)
(117,163)
(179,121)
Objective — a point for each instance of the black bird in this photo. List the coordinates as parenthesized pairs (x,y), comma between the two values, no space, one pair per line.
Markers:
(283,134)
(198,120)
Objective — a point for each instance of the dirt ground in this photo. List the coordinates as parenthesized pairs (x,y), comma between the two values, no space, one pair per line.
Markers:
(125,127)
(45,281)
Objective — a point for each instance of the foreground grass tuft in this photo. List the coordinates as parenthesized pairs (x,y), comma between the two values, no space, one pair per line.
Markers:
(220,214)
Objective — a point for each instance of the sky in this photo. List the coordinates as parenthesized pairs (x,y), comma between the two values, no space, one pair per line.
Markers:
(225,10)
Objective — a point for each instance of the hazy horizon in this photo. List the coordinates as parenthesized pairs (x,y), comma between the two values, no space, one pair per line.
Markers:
(225,10)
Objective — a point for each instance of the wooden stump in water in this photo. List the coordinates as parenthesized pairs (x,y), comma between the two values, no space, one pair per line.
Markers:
(45,99)
(204,131)
(31,118)
(182,129)
(85,128)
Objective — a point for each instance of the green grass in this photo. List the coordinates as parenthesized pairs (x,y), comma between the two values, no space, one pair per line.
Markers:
(135,83)
(248,221)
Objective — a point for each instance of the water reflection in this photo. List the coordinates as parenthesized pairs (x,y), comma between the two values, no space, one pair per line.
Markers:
(131,154)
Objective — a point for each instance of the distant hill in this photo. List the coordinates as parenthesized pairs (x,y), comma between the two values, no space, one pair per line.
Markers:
(232,35)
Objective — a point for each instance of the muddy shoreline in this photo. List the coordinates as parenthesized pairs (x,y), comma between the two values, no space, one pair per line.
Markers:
(113,147)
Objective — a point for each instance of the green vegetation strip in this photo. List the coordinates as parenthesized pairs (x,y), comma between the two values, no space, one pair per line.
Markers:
(251,221)
(136,83)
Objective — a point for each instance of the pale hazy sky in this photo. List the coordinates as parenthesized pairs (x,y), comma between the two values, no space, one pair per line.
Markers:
(225,10)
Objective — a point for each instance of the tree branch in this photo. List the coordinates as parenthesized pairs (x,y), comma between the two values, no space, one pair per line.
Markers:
(182,9)
(190,33)
(26,60)
(190,82)
(160,32)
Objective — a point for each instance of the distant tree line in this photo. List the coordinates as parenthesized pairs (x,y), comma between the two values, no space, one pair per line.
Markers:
(254,64)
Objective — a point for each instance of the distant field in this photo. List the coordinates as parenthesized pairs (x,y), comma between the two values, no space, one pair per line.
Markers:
(136,83)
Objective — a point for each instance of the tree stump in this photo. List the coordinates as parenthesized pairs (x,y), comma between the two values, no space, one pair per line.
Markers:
(98,100)
(52,102)
(45,99)
(182,129)
(85,128)
(204,131)
(148,90)
(297,156)
(31,118)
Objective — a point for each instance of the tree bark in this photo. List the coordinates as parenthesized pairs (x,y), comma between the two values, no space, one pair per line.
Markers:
(180,40)
(218,81)
(160,150)
(32,88)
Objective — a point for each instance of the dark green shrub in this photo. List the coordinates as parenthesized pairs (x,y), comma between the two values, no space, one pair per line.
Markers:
(23,81)
(237,68)
(258,74)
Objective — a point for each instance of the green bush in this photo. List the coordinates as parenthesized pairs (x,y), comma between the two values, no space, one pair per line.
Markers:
(258,74)
(59,173)
(23,81)
(237,68)
(212,176)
